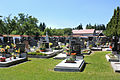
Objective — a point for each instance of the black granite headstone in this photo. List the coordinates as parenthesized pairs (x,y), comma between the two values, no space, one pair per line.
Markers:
(21,46)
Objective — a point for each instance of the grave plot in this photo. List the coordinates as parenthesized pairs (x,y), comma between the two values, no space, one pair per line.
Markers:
(14,56)
(116,66)
(70,67)
(74,61)
(86,52)
(114,57)
(96,49)
(45,50)
(106,49)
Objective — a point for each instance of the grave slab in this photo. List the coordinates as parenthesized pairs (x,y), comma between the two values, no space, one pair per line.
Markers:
(111,59)
(12,62)
(116,66)
(60,56)
(70,67)
(49,54)
(96,49)
(106,49)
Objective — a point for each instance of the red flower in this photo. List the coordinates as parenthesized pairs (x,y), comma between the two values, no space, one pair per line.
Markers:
(73,53)
(2,50)
(111,47)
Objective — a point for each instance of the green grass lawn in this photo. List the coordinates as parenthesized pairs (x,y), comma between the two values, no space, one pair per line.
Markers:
(97,68)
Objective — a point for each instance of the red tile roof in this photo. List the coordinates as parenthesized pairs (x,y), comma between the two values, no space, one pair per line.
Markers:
(86,31)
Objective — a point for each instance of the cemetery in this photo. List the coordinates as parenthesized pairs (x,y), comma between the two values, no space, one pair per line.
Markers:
(70,56)
(81,54)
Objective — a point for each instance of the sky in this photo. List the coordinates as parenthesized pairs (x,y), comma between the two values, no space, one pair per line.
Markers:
(62,13)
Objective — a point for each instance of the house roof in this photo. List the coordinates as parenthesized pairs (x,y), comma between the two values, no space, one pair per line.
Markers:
(86,36)
(86,31)
(99,31)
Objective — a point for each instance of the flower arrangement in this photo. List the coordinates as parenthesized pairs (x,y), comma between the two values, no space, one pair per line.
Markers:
(14,56)
(12,45)
(34,47)
(90,46)
(37,51)
(2,59)
(72,58)
(2,50)
(50,44)
(17,51)
(7,47)
(67,50)
(98,44)
(42,47)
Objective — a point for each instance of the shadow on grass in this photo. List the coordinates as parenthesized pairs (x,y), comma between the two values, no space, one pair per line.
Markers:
(83,68)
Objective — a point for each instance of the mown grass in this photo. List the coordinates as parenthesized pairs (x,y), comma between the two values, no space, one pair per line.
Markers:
(97,68)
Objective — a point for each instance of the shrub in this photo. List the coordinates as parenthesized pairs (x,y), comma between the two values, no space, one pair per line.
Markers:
(90,46)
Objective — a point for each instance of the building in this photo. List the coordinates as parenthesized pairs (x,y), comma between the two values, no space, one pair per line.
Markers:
(84,33)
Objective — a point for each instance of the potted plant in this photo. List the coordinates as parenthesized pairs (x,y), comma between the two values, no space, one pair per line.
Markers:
(3,52)
(14,56)
(98,44)
(67,52)
(37,51)
(72,58)
(42,48)
(2,59)
(90,46)
(7,47)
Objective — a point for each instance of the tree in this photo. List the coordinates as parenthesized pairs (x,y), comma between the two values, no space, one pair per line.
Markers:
(67,31)
(42,26)
(26,24)
(8,25)
(48,31)
(79,27)
(113,26)
(96,27)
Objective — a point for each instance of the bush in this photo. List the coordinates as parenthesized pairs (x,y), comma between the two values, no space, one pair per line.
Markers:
(90,46)
(35,53)
(32,53)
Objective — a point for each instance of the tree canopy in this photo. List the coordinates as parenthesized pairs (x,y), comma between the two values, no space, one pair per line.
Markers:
(79,27)
(113,26)
(96,26)
(28,25)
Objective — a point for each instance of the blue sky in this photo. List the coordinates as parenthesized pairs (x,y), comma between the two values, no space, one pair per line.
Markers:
(62,13)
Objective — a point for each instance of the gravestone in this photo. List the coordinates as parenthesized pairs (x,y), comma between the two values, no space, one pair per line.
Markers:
(45,43)
(21,46)
(17,40)
(33,43)
(75,46)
